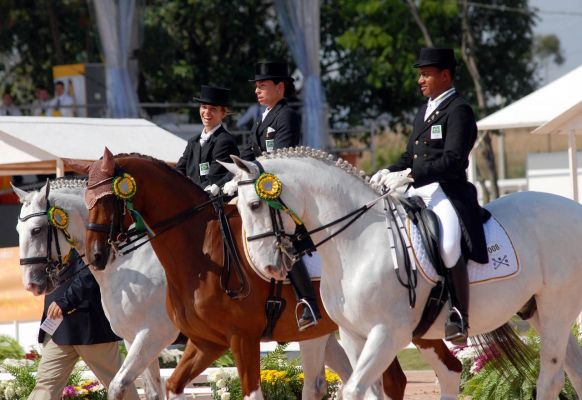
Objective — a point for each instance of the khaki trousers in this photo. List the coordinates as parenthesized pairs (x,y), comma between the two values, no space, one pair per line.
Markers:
(58,362)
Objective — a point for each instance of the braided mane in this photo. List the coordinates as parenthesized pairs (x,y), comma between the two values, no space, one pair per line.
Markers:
(327,158)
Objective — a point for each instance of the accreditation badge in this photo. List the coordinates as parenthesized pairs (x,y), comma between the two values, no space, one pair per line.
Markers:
(270,144)
(204,168)
(436,132)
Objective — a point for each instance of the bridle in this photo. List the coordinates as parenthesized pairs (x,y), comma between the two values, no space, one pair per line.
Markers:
(123,241)
(294,246)
(57,221)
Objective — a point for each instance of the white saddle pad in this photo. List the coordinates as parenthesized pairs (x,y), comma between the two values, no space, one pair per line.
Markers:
(503,259)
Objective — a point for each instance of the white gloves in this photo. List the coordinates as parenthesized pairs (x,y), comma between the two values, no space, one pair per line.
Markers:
(230,188)
(392,180)
(212,189)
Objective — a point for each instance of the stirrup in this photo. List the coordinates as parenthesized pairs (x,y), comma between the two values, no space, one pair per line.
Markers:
(461,335)
(298,318)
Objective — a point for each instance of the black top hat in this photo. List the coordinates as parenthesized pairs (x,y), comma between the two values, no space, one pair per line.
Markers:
(213,95)
(437,57)
(271,70)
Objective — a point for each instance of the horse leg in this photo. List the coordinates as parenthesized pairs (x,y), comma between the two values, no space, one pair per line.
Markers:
(573,362)
(378,351)
(446,366)
(554,332)
(196,358)
(247,354)
(153,381)
(337,359)
(312,361)
(140,354)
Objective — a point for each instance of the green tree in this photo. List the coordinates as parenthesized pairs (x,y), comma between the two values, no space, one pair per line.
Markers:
(189,43)
(37,34)
(370,46)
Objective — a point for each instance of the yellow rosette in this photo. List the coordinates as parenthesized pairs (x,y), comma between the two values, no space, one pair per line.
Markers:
(268,186)
(58,218)
(124,187)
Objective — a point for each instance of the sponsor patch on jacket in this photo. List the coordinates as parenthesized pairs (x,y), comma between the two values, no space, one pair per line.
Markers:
(270,145)
(204,168)
(436,132)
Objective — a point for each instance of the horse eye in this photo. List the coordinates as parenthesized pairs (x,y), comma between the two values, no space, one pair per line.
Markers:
(36,231)
(255,205)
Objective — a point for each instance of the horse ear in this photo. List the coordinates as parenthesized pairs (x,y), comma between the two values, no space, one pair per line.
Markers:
(45,190)
(108,163)
(23,195)
(246,166)
(229,166)
(78,166)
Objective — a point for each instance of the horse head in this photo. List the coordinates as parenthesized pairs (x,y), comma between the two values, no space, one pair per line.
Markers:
(267,231)
(45,238)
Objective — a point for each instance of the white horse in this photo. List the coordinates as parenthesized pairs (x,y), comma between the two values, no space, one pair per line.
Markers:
(133,288)
(133,294)
(359,288)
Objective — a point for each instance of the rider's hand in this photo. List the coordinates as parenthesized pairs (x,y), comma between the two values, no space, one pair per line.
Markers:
(377,177)
(230,188)
(212,189)
(54,311)
(393,180)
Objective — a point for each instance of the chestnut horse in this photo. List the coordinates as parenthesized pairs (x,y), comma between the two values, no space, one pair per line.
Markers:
(191,252)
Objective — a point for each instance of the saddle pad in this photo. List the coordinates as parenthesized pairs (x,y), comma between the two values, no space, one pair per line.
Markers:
(503,259)
(313,264)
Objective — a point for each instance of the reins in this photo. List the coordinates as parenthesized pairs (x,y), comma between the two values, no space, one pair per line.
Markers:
(124,241)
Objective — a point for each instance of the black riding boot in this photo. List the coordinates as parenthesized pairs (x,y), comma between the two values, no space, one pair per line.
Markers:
(458,322)
(305,293)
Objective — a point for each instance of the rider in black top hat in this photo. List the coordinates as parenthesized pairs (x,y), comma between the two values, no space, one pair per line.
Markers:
(435,160)
(280,127)
(215,143)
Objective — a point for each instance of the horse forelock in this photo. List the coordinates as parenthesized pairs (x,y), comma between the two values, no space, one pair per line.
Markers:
(302,152)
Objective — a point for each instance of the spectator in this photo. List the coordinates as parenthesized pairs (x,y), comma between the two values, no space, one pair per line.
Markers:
(62,104)
(253,114)
(8,107)
(41,105)
(84,332)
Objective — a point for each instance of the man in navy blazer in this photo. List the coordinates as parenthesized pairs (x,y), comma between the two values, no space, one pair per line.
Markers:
(435,162)
(84,332)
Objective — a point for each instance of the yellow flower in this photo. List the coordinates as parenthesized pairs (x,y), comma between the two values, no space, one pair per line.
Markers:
(331,376)
(271,376)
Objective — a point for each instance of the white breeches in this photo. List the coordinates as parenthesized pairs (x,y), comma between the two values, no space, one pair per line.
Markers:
(450,238)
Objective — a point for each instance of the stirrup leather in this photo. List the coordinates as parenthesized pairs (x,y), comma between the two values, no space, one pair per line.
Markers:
(299,312)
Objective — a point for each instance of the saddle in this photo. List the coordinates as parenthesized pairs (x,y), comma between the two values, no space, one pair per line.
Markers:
(427,224)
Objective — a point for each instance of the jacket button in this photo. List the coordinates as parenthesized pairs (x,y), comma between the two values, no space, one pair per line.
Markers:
(416,156)
(424,155)
(425,142)
(416,142)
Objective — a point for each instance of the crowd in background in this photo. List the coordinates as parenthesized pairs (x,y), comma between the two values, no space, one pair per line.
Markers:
(60,105)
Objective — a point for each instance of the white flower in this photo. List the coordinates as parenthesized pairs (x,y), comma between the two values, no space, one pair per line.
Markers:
(468,353)
(225,396)
(220,383)
(9,392)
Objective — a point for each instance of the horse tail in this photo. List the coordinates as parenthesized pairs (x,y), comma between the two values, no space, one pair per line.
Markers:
(508,353)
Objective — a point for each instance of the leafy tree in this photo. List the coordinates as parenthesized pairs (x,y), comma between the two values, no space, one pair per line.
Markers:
(37,34)
(194,42)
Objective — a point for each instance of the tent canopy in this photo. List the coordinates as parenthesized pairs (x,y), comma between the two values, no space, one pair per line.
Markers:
(35,145)
(538,107)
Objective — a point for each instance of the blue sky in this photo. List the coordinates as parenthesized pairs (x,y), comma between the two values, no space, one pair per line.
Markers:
(563,18)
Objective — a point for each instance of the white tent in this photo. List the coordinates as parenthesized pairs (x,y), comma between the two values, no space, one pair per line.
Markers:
(538,107)
(36,145)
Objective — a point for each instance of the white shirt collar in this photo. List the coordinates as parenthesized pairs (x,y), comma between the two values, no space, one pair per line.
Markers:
(206,135)
(433,104)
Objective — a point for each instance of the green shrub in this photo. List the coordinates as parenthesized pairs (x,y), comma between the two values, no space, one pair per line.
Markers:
(9,348)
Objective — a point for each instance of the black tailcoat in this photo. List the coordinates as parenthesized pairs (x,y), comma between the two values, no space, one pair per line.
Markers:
(219,147)
(444,157)
(285,124)
(79,298)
